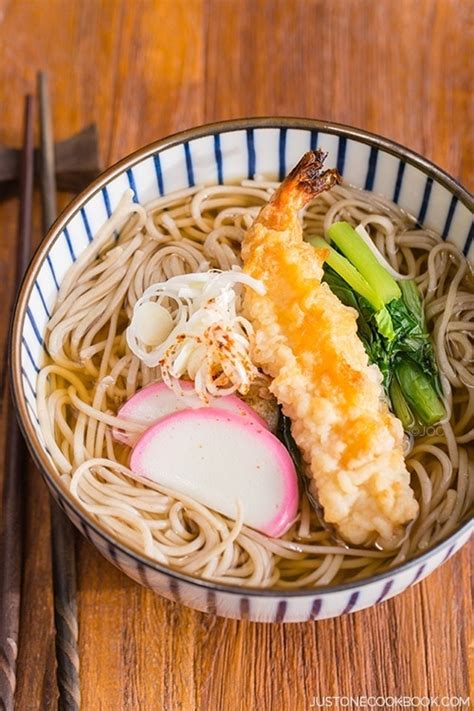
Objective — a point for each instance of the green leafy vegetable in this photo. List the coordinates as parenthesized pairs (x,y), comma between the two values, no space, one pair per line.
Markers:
(418,390)
(349,273)
(374,344)
(284,434)
(401,407)
(354,248)
(412,300)
(384,323)
(396,340)
(412,336)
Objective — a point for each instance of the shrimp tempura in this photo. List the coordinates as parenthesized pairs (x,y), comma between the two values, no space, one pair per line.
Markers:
(306,339)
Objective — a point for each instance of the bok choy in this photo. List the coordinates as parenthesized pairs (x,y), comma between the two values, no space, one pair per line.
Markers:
(354,248)
(391,325)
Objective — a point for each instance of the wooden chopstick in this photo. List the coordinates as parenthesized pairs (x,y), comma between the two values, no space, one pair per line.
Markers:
(62,533)
(47,159)
(14,489)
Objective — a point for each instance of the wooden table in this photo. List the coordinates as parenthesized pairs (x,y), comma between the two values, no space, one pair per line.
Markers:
(145,68)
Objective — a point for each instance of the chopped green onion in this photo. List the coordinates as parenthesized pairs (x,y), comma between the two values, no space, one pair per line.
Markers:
(354,248)
(419,392)
(344,268)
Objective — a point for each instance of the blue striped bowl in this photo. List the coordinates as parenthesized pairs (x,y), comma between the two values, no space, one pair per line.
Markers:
(220,153)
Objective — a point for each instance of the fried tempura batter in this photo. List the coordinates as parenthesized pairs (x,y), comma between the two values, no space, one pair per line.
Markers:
(306,339)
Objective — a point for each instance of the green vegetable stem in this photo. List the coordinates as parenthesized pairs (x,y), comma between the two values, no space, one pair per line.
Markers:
(411,297)
(349,273)
(354,248)
(400,406)
(419,392)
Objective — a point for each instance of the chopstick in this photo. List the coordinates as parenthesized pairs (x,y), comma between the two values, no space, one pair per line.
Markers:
(46,170)
(14,489)
(62,533)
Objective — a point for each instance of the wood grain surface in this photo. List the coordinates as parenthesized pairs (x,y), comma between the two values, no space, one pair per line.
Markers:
(142,69)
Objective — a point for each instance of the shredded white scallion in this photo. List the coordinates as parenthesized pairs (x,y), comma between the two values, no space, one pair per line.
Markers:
(362,232)
(208,342)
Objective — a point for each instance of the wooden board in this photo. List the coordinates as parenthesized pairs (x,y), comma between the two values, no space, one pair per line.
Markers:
(142,69)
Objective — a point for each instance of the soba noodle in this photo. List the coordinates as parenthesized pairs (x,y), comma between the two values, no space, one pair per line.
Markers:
(91,371)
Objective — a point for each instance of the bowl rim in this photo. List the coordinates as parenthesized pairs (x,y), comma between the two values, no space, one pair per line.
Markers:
(19,311)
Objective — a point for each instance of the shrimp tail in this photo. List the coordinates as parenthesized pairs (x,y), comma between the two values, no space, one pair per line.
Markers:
(301,185)
(306,178)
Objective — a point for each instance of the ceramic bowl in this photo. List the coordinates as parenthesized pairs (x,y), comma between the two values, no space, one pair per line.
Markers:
(227,152)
